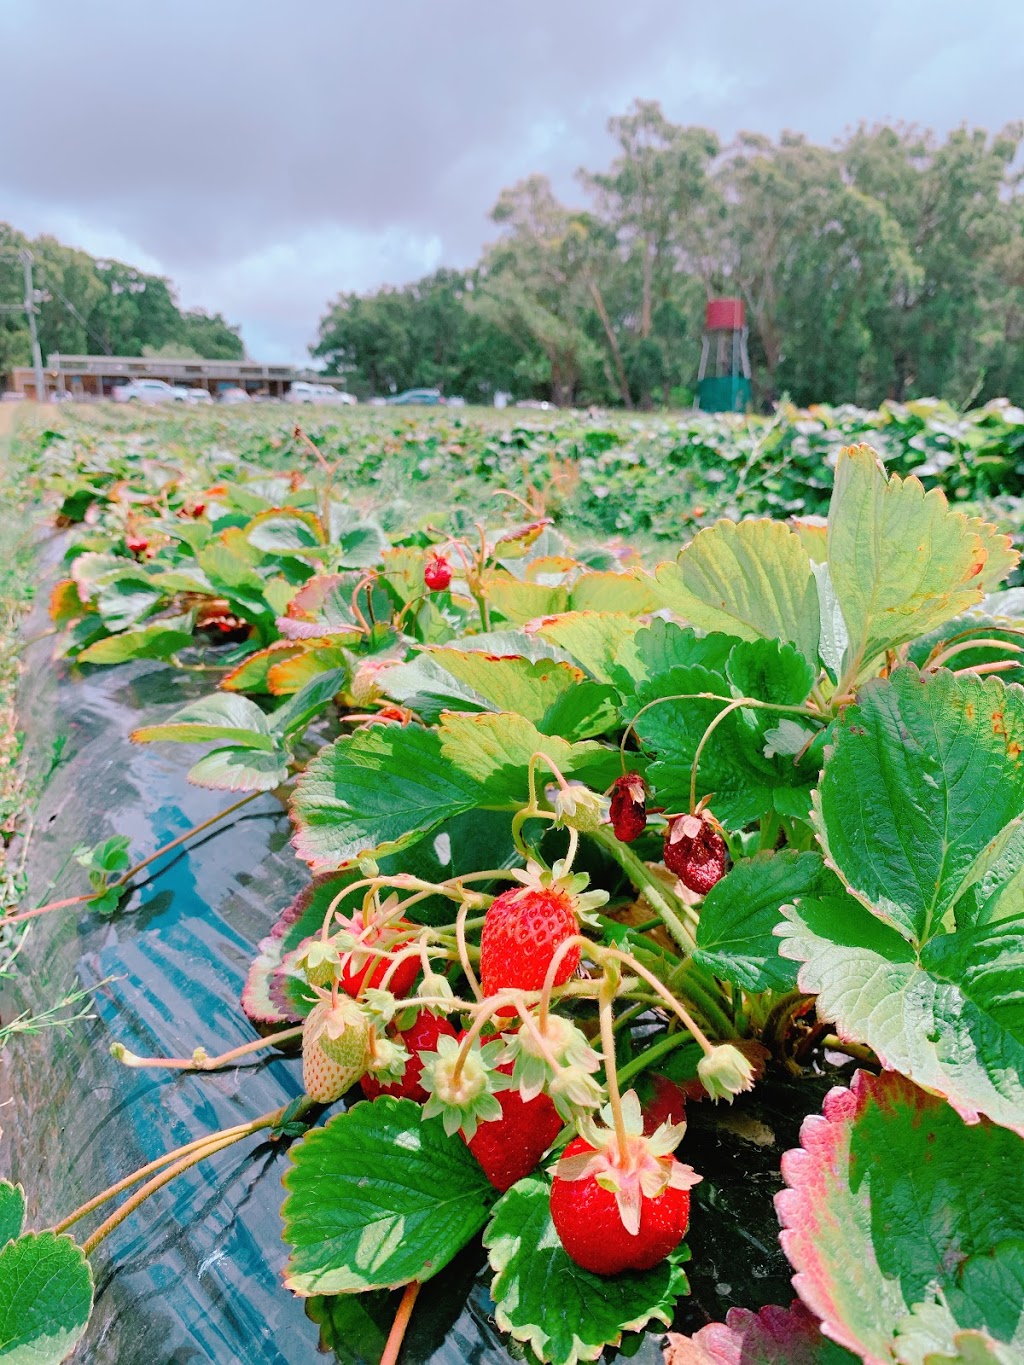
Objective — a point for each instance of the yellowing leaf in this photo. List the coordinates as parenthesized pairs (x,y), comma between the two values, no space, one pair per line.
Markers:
(633,594)
(593,638)
(520,602)
(750,578)
(901,562)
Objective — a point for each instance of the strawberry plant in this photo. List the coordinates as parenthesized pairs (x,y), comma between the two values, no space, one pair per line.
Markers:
(584,840)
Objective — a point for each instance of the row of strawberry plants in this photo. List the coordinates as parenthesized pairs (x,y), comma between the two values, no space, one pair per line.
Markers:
(590,846)
(659,477)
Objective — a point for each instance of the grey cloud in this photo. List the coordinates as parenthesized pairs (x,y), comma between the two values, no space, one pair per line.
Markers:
(216,134)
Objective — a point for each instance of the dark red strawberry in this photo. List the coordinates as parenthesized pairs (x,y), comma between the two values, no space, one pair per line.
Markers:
(421,1036)
(695,852)
(662,1101)
(510,1147)
(437,573)
(629,807)
(522,930)
(589,1219)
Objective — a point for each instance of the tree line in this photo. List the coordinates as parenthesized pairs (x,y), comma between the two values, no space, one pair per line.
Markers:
(100,307)
(889,265)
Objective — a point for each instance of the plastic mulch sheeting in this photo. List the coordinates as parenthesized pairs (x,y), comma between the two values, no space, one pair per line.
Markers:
(194,1276)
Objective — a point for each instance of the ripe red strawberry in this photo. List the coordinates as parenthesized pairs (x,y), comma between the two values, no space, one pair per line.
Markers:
(137,545)
(437,573)
(510,1147)
(360,971)
(662,1101)
(629,807)
(335,1048)
(522,929)
(590,1225)
(695,852)
(421,1036)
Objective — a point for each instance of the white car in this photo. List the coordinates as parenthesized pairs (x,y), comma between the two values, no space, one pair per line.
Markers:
(198,396)
(149,391)
(232,396)
(303,392)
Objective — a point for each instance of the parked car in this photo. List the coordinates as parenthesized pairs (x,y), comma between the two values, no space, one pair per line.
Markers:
(233,395)
(149,391)
(425,398)
(198,396)
(303,392)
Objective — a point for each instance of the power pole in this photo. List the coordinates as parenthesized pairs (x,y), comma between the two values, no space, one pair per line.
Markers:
(30,310)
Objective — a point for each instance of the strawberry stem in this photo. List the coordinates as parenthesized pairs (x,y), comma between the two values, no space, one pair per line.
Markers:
(632,965)
(712,696)
(199,1061)
(609,985)
(133,871)
(654,891)
(175,1162)
(398,1328)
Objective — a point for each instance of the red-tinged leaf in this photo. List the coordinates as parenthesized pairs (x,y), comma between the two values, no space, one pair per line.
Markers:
(65,604)
(899,1216)
(775,1336)
(251,675)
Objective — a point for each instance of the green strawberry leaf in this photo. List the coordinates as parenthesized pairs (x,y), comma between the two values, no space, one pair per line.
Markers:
(509,684)
(429,689)
(924,774)
(283,530)
(495,751)
(240,770)
(733,765)
(664,645)
(736,933)
(158,640)
(378,1197)
(12,1211)
(354,1327)
(374,792)
(900,562)
(325,602)
(45,1298)
(774,1336)
(223,716)
(565,1313)
(750,578)
(589,709)
(893,1205)
(949,1017)
(125,598)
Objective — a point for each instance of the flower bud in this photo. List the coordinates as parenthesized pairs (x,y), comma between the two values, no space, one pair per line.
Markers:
(725,1072)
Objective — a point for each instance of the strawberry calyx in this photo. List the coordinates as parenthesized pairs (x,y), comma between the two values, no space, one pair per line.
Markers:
(554,1056)
(638,1169)
(463,1094)
(558,878)
(577,806)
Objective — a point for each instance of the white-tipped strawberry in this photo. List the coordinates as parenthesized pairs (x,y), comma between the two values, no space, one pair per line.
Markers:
(335,1048)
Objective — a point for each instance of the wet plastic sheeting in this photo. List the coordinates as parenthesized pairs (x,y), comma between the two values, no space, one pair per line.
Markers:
(195,1277)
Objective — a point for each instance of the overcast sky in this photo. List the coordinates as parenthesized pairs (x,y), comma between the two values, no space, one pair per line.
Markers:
(268,154)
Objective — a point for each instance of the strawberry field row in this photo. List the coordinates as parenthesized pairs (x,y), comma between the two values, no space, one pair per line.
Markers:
(593,840)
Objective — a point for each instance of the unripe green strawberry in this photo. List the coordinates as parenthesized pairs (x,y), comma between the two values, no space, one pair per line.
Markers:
(335,1048)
